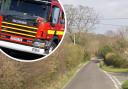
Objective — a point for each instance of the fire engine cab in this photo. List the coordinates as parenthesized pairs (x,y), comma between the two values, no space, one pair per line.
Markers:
(32,26)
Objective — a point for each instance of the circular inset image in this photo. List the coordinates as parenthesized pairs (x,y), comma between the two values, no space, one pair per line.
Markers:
(31,30)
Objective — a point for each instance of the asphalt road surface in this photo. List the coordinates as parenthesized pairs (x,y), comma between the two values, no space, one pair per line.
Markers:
(121,76)
(91,77)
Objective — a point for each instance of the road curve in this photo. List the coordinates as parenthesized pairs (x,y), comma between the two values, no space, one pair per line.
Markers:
(91,77)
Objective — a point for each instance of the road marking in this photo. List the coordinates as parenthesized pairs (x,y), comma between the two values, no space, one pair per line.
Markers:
(117,80)
(114,80)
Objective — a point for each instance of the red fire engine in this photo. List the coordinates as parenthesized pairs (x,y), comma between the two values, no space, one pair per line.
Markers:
(33,26)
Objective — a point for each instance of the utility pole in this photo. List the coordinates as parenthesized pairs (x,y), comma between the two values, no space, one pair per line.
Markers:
(74,39)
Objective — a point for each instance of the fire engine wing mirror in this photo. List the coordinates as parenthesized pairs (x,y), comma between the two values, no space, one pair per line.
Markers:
(62,21)
(52,22)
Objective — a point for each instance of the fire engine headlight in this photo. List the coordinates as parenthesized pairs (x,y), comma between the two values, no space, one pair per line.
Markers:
(39,44)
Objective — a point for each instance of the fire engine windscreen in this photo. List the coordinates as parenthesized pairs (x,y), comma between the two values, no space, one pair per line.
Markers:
(26,7)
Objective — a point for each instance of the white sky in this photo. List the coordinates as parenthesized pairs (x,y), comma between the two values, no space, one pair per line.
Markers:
(106,9)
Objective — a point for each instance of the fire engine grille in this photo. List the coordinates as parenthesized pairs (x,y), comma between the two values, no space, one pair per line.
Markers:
(20,30)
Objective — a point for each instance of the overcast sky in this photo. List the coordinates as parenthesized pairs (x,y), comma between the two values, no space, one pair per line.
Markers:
(106,9)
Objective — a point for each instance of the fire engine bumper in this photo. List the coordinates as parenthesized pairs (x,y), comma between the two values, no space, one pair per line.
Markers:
(22,48)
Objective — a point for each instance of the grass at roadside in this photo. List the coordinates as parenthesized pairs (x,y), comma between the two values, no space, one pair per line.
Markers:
(63,80)
(125,85)
(112,69)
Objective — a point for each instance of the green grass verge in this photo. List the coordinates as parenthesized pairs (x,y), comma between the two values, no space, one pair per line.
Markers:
(112,69)
(63,80)
(125,85)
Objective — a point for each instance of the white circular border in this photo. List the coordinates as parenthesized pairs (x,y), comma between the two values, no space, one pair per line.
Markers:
(43,58)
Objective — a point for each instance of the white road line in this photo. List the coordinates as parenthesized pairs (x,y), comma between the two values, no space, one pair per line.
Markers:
(113,80)
(117,80)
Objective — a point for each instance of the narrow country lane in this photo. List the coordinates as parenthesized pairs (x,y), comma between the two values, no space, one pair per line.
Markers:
(91,77)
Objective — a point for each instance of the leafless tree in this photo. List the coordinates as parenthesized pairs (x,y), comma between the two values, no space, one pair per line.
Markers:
(80,19)
(71,15)
(86,18)
(122,33)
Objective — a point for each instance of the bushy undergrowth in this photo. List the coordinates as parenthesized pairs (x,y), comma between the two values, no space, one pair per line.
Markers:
(104,50)
(43,74)
(74,55)
(112,57)
(10,74)
(115,60)
(125,85)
